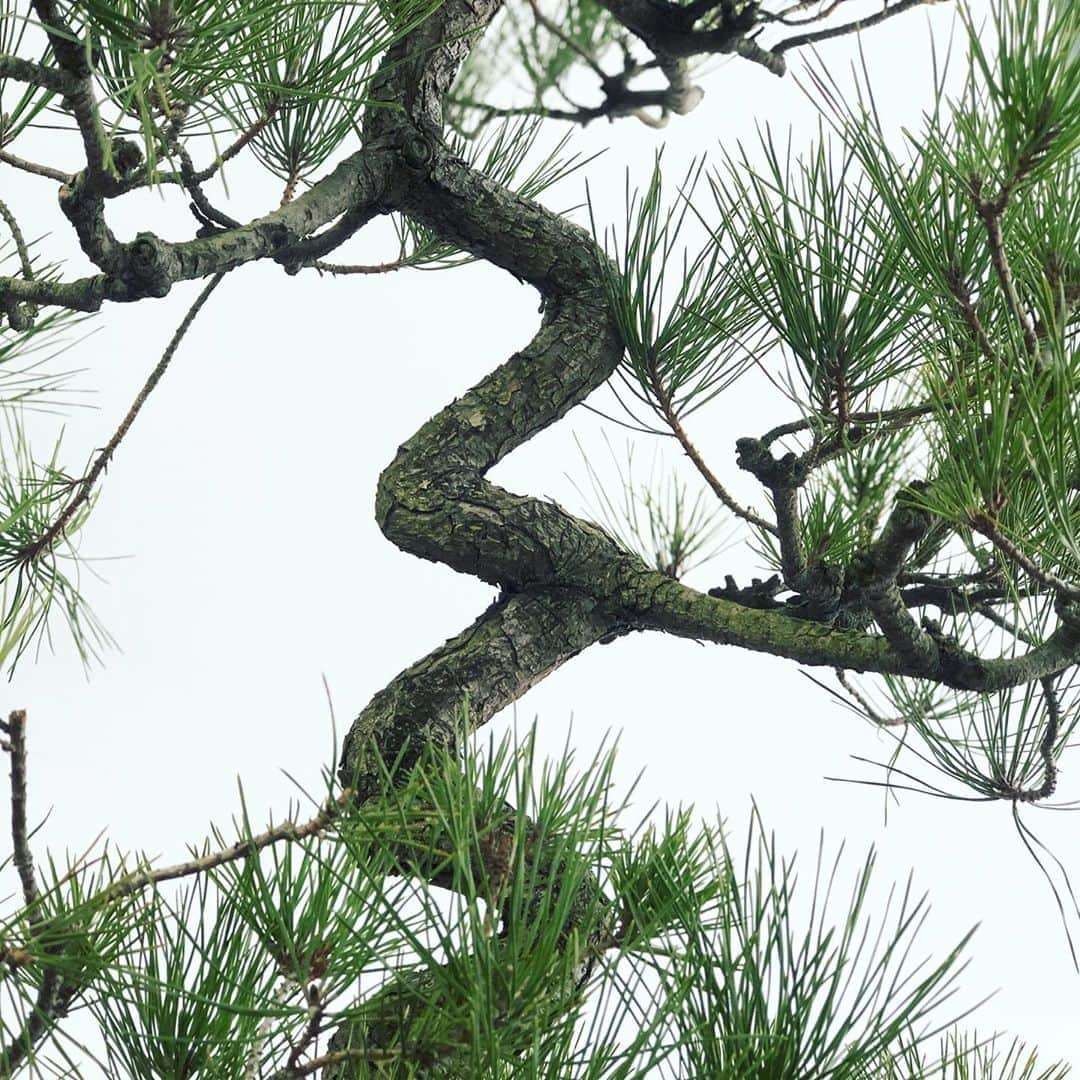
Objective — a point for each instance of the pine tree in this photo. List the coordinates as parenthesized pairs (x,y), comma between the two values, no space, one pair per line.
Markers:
(453,906)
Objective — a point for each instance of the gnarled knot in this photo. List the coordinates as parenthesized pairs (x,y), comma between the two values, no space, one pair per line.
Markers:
(756,458)
(20,317)
(758,594)
(281,241)
(685,101)
(416,150)
(911,519)
(150,265)
(127,156)
(822,581)
(1068,613)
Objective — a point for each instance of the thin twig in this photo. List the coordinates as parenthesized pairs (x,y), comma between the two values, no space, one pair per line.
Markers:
(51,990)
(15,729)
(983,525)
(1053,720)
(860,423)
(853,27)
(55,995)
(56,530)
(663,399)
(20,316)
(339,1057)
(1046,746)
(290,188)
(990,212)
(679,97)
(1053,716)
(630,103)
(568,41)
(962,296)
(53,999)
(786,19)
(251,1067)
(198,196)
(1004,623)
(20,241)
(238,144)
(316,1011)
(493,112)
(33,167)
(305,252)
(872,714)
(287,830)
(374,268)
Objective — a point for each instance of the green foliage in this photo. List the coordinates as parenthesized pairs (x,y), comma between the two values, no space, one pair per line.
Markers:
(67,938)
(1000,364)
(39,581)
(989,744)
(310,78)
(881,283)
(37,586)
(297,68)
(1004,746)
(825,290)
(21,103)
(157,58)
(964,1057)
(186,1002)
(1032,88)
(655,519)
(681,351)
(27,377)
(560,927)
(777,992)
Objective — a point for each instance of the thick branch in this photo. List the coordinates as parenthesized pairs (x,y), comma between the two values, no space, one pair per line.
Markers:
(519,640)
(149,266)
(677,609)
(83,200)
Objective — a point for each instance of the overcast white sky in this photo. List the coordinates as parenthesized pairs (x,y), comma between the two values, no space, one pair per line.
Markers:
(240,508)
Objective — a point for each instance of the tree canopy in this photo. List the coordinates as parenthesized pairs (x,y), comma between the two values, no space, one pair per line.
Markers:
(455,907)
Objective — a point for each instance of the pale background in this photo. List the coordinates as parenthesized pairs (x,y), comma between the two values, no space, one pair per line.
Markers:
(241,505)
